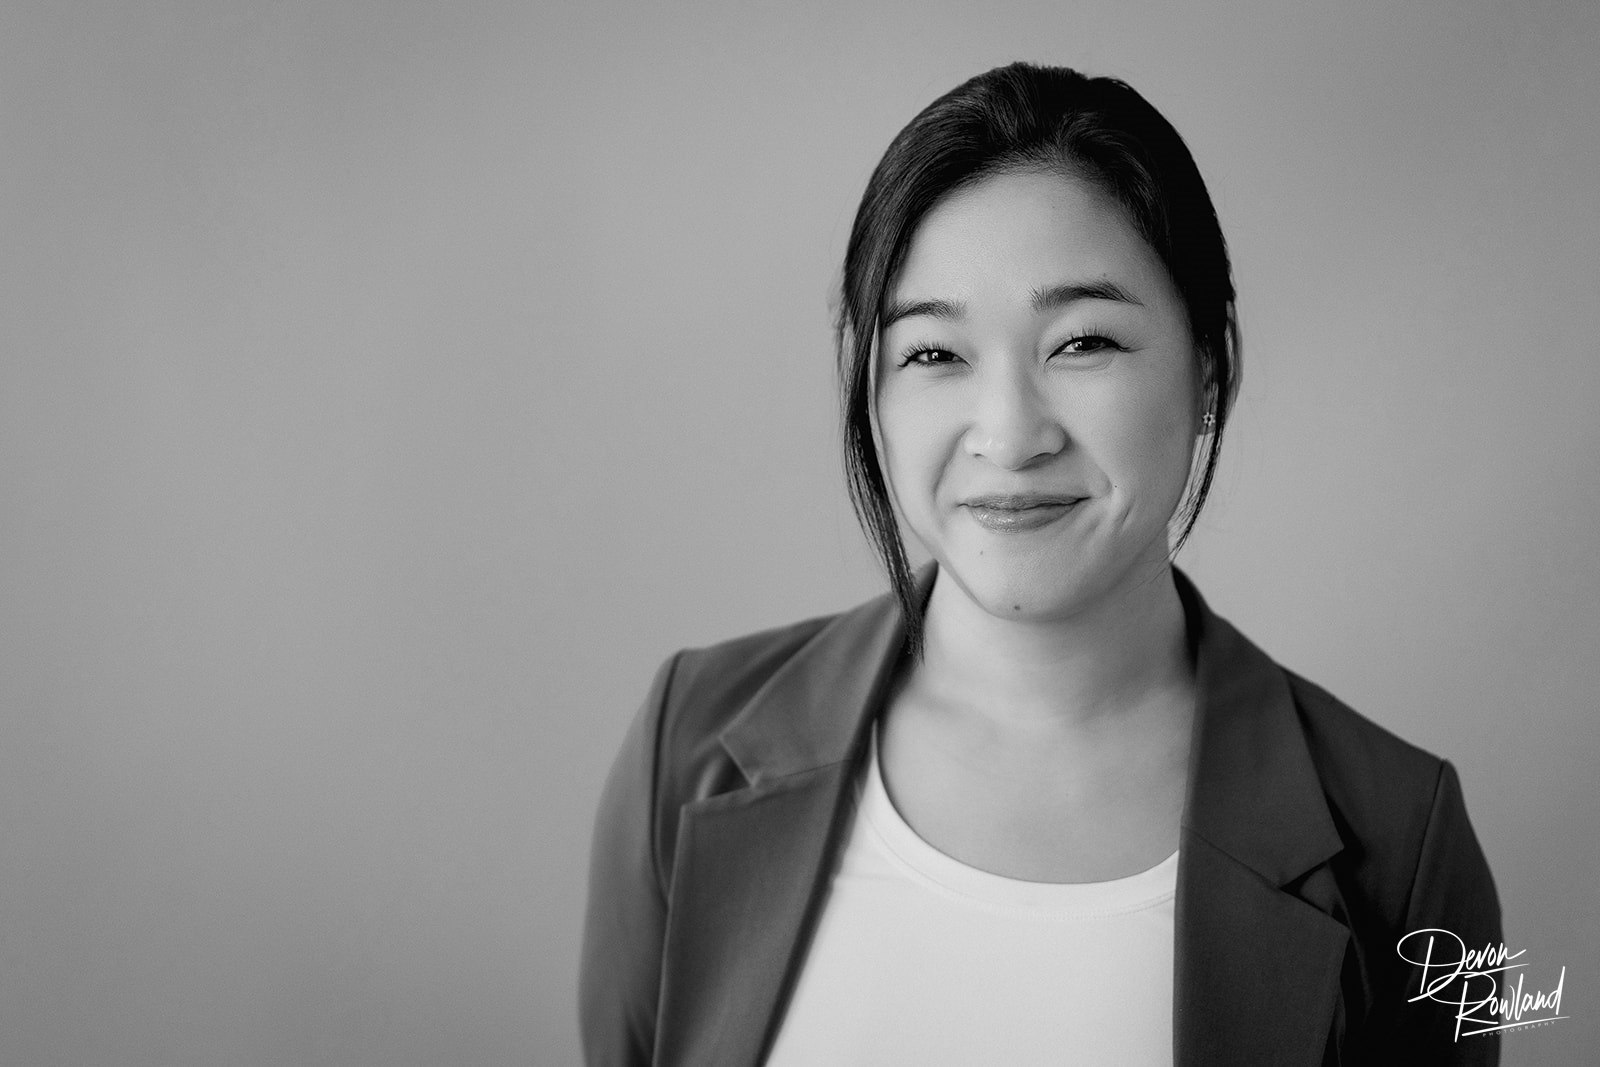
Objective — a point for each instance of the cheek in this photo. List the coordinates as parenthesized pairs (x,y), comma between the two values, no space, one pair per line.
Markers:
(911,440)
(1148,446)
(890,437)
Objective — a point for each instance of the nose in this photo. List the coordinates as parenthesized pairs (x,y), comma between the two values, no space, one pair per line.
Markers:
(1013,423)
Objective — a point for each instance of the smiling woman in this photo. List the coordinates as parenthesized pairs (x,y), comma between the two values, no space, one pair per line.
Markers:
(1038,803)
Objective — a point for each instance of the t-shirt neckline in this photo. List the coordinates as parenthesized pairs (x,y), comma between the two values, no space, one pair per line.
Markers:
(948,875)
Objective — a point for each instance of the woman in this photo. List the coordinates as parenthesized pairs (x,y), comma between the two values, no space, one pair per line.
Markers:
(1041,804)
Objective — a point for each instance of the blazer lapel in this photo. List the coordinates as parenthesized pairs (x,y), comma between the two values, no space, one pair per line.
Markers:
(753,866)
(1257,967)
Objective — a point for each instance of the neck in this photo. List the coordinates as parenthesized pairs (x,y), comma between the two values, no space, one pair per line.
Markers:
(1125,650)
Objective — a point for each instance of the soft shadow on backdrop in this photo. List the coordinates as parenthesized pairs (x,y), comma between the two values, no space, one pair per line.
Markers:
(387,388)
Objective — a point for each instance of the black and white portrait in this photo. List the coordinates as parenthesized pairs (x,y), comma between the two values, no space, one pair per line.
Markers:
(742,533)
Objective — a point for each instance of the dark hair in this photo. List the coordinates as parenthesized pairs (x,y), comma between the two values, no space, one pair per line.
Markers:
(1025,117)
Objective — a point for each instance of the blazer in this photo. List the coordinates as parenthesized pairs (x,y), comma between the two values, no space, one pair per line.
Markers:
(1312,840)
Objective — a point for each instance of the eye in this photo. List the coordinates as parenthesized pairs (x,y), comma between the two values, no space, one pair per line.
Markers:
(1088,344)
(927,356)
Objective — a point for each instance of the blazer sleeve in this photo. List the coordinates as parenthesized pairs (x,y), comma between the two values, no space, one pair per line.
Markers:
(625,917)
(1454,891)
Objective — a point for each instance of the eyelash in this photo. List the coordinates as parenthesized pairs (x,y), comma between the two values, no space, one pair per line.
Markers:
(1108,343)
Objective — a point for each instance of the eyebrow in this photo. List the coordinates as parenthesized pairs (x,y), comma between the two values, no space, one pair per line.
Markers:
(1043,299)
(1102,289)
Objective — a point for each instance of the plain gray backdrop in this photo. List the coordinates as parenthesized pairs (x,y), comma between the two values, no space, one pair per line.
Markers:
(387,388)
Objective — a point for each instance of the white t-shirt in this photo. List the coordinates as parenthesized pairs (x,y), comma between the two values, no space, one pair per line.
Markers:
(921,960)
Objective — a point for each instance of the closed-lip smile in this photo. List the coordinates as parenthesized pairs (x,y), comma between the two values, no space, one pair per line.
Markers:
(1020,501)
(1015,513)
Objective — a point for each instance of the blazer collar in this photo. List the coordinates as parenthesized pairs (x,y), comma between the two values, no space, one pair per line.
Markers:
(1253,791)
(818,705)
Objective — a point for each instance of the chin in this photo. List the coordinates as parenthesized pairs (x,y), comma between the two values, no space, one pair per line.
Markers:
(1026,590)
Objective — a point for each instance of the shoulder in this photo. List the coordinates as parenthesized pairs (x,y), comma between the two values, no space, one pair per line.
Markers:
(1362,764)
(1284,730)
(703,691)
(1394,803)
(1389,803)
(712,682)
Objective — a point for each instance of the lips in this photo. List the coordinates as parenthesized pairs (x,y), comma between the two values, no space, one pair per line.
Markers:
(1017,512)
(1021,501)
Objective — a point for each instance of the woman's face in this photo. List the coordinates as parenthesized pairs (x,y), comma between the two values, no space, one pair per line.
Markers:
(1037,395)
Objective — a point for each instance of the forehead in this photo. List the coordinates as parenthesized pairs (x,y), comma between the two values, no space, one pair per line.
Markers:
(1018,230)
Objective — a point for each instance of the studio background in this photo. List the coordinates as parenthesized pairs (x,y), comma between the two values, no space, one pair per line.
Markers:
(386,389)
